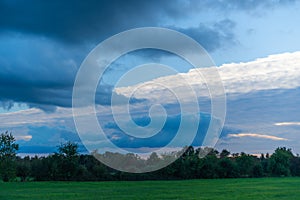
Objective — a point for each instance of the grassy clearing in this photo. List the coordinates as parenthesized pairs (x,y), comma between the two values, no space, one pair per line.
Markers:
(266,188)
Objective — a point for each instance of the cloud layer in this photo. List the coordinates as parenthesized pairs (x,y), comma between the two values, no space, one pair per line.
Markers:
(273,72)
(43,43)
(256,135)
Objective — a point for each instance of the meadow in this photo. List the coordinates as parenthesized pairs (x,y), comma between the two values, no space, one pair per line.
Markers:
(214,189)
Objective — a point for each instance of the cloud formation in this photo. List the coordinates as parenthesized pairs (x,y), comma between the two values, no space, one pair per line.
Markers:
(279,71)
(43,44)
(287,124)
(93,20)
(212,37)
(256,135)
(39,58)
(41,72)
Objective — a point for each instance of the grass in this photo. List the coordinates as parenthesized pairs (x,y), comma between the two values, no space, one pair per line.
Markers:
(266,188)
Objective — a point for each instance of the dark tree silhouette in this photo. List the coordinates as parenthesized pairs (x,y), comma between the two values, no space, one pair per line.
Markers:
(68,165)
(280,162)
(8,149)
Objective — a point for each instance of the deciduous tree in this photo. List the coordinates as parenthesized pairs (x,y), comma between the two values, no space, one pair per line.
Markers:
(8,149)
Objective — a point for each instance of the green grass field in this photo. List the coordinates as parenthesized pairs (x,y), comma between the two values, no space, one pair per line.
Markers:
(267,188)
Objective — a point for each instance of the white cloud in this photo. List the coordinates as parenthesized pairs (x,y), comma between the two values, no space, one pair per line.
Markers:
(35,116)
(287,124)
(262,112)
(23,137)
(256,135)
(32,116)
(281,71)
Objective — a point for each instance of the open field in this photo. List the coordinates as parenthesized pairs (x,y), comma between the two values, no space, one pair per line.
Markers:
(266,188)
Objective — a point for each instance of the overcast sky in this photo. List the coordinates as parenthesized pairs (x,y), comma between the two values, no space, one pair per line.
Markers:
(254,44)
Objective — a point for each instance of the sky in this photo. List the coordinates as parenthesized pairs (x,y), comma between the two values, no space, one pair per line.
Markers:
(255,46)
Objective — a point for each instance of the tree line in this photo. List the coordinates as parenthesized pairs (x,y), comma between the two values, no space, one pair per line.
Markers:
(201,163)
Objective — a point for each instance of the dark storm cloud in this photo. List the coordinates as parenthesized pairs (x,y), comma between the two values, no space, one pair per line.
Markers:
(48,98)
(75,21)
(95,20)
(35,71)
(44,42)
(212,37)
(92,20)
(41,72)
